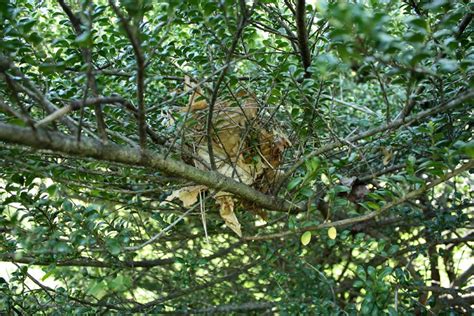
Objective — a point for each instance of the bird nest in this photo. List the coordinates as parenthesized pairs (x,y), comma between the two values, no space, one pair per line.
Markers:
(244,147)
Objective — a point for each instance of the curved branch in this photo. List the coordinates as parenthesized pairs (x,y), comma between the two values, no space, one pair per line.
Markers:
(371,215)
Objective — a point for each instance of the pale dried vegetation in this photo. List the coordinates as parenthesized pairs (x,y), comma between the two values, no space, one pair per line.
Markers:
(245,148)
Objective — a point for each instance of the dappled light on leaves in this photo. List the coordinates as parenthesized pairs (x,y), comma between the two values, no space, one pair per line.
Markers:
(236,157)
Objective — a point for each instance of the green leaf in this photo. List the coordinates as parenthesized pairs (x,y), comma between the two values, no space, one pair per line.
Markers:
(49,68)
(48,274)
(312,165)
(366,308)
(113,246)
(467,148)
(371,271)
(306,238)
(292,69)
(447,65)
(385,272)
(294,183)
(52,189)
(97,289)
(417,22)
(361,273)
(121,283)
(67,206)
(358,284)
(392,311)
(332,232)
(372,205)
(35,38)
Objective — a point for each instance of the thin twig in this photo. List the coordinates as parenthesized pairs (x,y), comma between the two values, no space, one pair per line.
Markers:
(165,230)
(350,221)
(385,127)
(215,92)
(303,36)
(140,59)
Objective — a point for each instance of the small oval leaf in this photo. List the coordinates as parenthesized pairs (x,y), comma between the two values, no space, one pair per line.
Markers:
(332,233)
(306,238)
(294,183)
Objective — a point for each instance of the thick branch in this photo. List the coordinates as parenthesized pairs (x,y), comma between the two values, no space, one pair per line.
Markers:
(66,144)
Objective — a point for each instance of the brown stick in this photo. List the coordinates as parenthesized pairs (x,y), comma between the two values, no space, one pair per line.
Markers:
(302,36)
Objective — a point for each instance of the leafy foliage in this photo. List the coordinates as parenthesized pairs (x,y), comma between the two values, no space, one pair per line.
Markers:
(377,174)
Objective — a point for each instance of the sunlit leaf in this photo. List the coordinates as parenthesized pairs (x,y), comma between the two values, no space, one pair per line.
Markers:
(306,238)
(332,233)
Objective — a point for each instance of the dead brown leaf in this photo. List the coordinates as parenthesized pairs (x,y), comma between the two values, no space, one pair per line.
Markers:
(227,212)
(187,195)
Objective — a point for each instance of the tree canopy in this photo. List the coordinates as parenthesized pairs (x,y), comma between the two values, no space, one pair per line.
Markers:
(186,157)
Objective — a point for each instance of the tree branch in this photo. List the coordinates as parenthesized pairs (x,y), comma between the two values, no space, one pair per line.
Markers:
(32,91)
(231,308)
(371,215)
(463,25)
(88,262)
(75,105)
(66,144)
(464,277)
(385,127)
(135,41)
(302,36)
(87,55)
(215,92)
(205,285)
